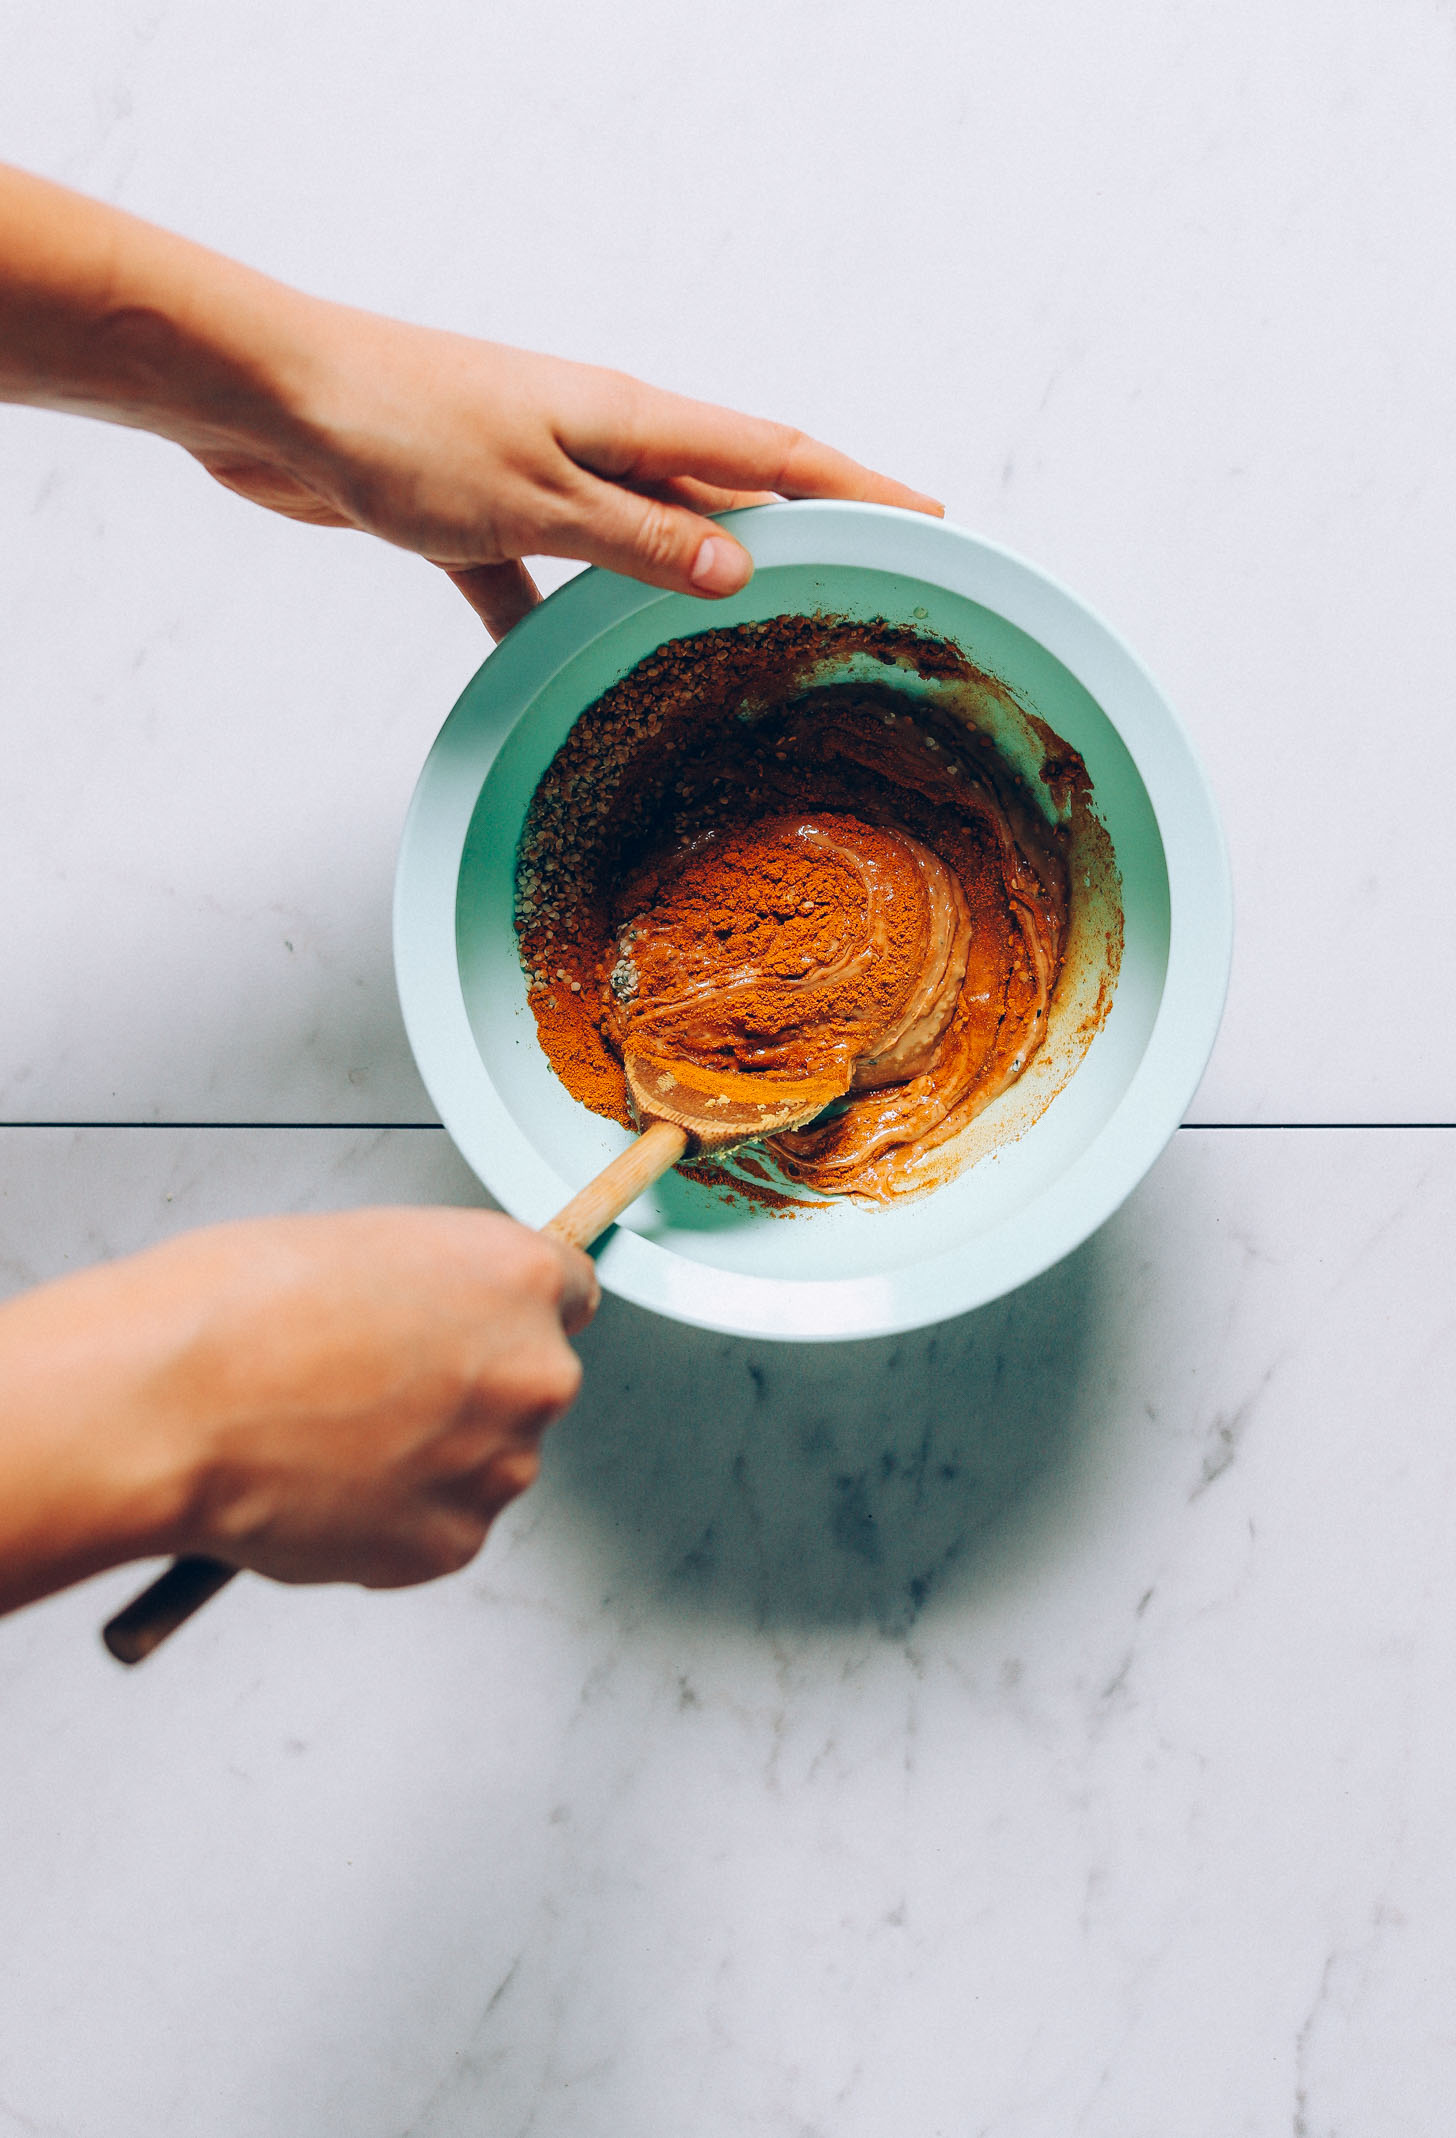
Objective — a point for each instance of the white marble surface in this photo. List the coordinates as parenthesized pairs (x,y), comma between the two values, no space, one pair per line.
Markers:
(1037,1727)
(1157,293)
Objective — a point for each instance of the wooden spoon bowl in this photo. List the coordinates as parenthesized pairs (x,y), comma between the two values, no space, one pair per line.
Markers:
(683,1111)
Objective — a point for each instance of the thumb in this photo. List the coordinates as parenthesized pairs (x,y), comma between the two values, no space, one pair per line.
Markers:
(662,545)
(581,1293)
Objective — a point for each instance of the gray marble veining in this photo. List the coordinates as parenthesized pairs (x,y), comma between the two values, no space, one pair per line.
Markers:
(1035,1725)
(1034,1728)
(1172,323)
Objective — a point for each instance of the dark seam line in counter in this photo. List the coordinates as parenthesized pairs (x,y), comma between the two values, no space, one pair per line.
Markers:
(436,1128)
(356,1128)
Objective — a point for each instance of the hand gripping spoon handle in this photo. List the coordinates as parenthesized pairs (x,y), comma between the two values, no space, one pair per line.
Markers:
(682,1108)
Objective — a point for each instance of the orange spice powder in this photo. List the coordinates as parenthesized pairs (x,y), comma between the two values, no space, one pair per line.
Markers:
(785,946)
(694,870)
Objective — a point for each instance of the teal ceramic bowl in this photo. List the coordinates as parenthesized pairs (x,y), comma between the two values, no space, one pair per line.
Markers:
(845,1271)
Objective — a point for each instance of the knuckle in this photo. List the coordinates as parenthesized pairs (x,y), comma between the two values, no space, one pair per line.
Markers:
(657,535)
(788,445)
(543,1269)
(455,1535)
(550,515)
(561,1381)
(521,1395)
(547,1384)
(623,408)
(459,1545)
(450,1541)
(508,1475)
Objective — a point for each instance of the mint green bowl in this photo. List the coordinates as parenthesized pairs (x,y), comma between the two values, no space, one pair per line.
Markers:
(845,1271)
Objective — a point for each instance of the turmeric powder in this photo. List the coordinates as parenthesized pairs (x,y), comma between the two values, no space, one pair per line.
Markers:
(802,947)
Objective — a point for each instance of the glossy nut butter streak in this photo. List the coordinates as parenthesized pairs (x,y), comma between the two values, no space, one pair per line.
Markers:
(801,947)
(734,867)
(996,1023)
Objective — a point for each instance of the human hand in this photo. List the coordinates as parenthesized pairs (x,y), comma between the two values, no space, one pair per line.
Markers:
(477,455)
(348,1398)
(474,454)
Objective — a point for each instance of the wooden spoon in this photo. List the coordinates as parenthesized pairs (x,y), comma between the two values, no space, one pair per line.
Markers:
(679,1109)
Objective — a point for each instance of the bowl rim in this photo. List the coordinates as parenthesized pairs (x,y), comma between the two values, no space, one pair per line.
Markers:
(1069,1208)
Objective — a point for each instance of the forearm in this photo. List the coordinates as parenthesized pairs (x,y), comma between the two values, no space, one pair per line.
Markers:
(105,315)
(470,453)
(89,1469)
(348,1398)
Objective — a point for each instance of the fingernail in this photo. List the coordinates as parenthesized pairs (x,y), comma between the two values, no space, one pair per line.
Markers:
(722,567)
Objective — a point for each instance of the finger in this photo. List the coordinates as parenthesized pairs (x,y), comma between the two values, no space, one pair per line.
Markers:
(561,1274)
(449,1540)
(815,470)
(703,497)
(660,544)
(640,435)
(581,1293)
(507,1475)
(470,1502)
(500,594)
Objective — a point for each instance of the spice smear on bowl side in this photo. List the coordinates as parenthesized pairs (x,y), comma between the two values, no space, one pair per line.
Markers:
(762,852)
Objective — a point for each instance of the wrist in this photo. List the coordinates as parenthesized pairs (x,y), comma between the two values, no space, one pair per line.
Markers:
(95,1466)
(210,354)
(107,315)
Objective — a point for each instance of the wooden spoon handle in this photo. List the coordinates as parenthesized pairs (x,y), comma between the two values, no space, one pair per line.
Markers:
(163,1606)
(587,1216)
(187,1585)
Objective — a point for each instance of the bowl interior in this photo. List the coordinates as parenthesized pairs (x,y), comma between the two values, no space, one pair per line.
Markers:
(689,1222)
